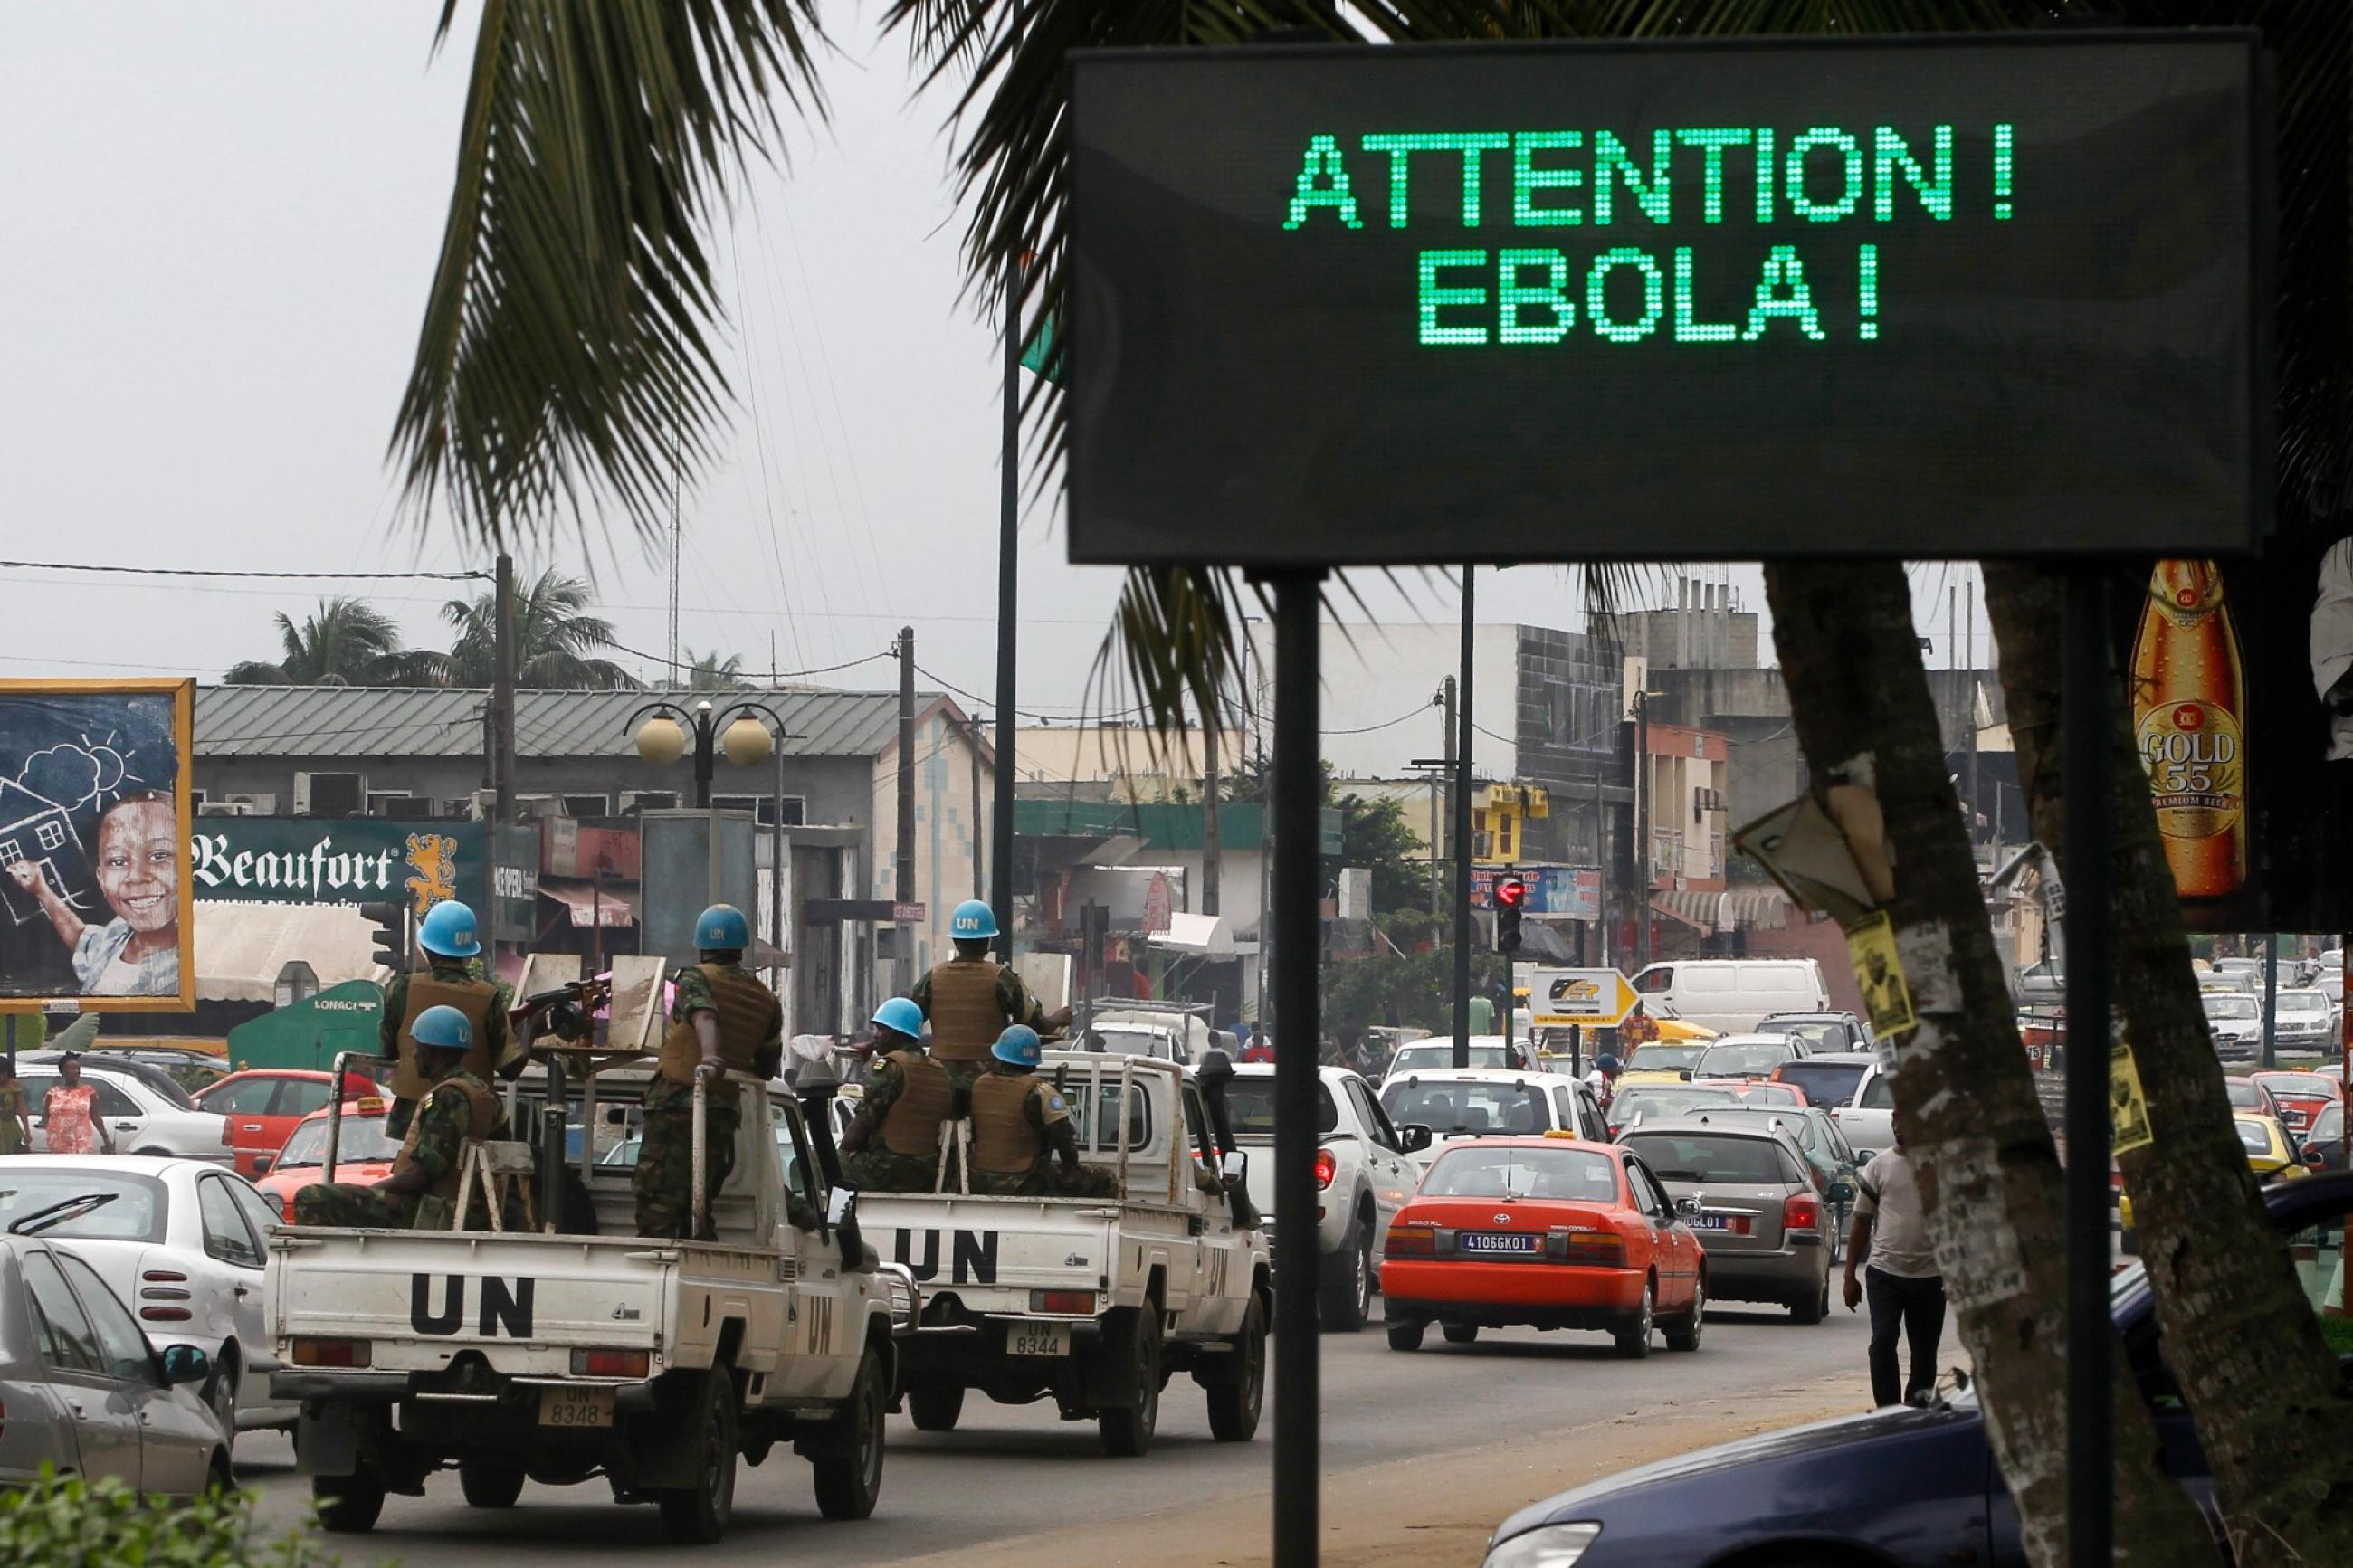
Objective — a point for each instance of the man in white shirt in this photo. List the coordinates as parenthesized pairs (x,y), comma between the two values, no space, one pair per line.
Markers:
(1907,1293)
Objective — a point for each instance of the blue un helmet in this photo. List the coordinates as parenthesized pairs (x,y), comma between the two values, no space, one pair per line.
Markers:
(901,1013)
(442,1028)
(1017,1044)
(721,928)
(448,930)
(973,921)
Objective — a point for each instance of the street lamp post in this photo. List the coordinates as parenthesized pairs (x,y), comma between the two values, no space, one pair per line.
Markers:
(736,728)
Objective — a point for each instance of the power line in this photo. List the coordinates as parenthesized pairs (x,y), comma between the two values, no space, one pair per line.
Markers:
(293,576)
(1416,711)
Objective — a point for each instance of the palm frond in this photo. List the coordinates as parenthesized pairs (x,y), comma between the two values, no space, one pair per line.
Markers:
(564,359)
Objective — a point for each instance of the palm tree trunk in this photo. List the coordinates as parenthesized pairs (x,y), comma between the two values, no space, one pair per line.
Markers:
(2241,1340)
(1966,1109)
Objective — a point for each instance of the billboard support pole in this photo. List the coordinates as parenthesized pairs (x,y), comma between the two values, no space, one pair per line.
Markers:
(2091,1460)
(1462,772)
(1298,789)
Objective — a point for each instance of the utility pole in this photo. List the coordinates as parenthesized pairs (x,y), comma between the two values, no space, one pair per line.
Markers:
(1212,840)
(1009,606)
(979,859)
(1443,783)
(1601,867)
(1969,660)
(1642,828)
(502,675)
(1462,842)
(906,858)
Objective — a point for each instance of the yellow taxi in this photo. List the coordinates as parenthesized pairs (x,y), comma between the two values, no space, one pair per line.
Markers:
(1662,1061)
(2271,1155)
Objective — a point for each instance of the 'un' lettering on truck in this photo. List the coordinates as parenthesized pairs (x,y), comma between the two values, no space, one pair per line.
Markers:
(972,1255)
(506,1307)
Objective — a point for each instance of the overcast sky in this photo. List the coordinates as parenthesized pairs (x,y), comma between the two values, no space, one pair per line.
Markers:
(222,222)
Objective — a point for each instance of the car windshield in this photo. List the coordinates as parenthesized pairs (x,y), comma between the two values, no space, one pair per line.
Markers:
(1128,1042)
(1804,1129)
(2328,1127)
(1576,1174)
(2254,1137)
(1821,1034)
(1879,1094)
(1420,1058)
(2245,1093)
(361,1140)
(1461,1105)
(153,1078)
(1764,1094)
(1738,1061)
(1710,1157)
(1663,1100)
(2228,1005)
(2303,1085)
(1825,1083)
(135,1213)
(2303,1002)
(1664,1059)
(1251,1100)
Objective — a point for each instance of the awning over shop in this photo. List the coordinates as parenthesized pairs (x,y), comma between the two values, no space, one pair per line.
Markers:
(1206,935)
(240,947)
(593,903)
(1736,909)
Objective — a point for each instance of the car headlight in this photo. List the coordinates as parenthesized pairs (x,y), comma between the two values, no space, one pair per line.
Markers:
(1552,1546)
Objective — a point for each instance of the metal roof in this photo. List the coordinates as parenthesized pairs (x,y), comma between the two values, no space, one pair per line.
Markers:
(447,722)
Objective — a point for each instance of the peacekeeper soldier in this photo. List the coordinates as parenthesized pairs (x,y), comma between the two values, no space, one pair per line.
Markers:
(448,937)
(422,1191)
(905,1101)
(1020,1127)
(721,1020)
(970,999)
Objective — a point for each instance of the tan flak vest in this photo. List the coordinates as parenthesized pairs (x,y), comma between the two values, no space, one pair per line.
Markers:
(925,1098)
(474,998)
(483,1119)
(1003,1142)
(749,1014)
(967,1016)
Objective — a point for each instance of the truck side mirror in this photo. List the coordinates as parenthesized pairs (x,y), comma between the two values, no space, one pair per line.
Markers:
(841,1217)
(1414,1136)
(1235,1165)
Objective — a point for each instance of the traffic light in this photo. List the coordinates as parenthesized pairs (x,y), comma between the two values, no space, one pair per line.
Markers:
(1511,898)
(391,922)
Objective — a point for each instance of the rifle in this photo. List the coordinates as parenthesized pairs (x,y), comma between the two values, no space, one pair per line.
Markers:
(569,1007)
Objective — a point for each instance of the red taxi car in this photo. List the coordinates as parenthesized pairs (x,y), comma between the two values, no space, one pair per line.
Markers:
(2301,1096)
(1547,1233)
(1766,1094)
(264,1105)
(362,1154)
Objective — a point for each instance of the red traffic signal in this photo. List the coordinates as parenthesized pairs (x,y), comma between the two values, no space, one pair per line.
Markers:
(1511,892)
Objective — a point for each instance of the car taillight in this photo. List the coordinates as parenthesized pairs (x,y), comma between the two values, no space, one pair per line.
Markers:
(165,1314)
(1412,1241)
(165,1276)
(1077,1303)
(1327,1165)
(609,1364)
(1593,1248)
(226,1136)
(1801,1211)
(331,1352)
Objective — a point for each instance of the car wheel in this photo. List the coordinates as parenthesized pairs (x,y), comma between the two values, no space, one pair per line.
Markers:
(1813,1308)
(1634,1339)
(1460,1333)
(488,1485)
(934,1409)
(220,1479)
(1405,1334)
(1127,1431)
(348,1505)
(1234,1405)
(1348,1295)
(850,1480)
(697,1515)
(220,1394)
(1682,1334)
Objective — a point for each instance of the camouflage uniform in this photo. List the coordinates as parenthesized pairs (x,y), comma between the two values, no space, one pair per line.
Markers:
(664,1180)
(442,1128)
(1050,1119)
(876,1169)
(505,1052)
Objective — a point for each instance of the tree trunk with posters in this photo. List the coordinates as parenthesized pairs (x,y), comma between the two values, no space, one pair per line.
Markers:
(2241,1339)
(1966,1108)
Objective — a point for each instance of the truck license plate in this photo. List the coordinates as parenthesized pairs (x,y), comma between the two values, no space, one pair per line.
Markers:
(1038,1339)
(576,1407)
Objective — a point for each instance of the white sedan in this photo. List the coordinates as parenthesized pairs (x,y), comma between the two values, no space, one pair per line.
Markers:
(146,1110)
(183,1243)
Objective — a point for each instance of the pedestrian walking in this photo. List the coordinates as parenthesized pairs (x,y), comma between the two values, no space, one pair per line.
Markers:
(69,1113)
(1889,1244)
(15,1124)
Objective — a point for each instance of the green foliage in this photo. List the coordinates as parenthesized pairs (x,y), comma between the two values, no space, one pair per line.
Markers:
(65,1521)
(1407,981)
(554,638)
(1374,833)
(344,642)
(711,672)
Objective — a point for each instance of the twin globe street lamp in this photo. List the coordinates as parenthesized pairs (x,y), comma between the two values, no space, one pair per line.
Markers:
(661,738)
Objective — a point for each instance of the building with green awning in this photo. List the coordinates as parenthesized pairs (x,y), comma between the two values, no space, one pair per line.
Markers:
(309,1033)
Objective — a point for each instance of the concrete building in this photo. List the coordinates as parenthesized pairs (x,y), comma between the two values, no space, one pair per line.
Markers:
(1120,761)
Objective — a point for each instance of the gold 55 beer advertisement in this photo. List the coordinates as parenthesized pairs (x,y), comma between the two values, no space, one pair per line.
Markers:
(93,858)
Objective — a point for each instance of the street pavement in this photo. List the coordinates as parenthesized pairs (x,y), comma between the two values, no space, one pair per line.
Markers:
(1009,1472)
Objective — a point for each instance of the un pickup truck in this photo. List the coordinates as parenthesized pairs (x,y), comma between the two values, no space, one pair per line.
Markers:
(653,1363)
(1094,1303)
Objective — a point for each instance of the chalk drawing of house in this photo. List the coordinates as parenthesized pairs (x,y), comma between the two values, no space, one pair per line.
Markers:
(40,831)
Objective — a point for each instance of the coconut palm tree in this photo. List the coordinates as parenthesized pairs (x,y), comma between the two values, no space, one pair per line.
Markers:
(709,672)
(555,643)
(344,642)
(564,359)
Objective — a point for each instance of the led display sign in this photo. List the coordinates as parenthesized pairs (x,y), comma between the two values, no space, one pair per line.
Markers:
(1936,296)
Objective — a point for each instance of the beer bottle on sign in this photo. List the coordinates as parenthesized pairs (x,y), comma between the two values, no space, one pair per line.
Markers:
(2189,705)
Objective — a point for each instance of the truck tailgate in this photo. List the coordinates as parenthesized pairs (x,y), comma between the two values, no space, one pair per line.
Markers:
(990,1252)
(524,1302)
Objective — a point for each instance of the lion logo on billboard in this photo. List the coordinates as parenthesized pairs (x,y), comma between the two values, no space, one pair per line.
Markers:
(433,863)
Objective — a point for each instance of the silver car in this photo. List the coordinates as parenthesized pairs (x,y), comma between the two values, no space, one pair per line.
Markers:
(1745,1190)
(84,1390)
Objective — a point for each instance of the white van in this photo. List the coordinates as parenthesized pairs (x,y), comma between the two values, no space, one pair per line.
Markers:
(1731,995)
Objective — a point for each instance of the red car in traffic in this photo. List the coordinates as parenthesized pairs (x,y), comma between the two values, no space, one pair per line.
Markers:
(264,1105)
(2301,1096)
(1547,1233)
(362,1154)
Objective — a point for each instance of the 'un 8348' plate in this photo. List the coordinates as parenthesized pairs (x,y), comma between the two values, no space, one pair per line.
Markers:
(575,1407)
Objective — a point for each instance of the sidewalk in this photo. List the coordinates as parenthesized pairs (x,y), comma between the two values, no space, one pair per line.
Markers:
(1420,1513)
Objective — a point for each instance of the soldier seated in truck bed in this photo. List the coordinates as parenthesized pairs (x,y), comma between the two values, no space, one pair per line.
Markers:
(1021,1128)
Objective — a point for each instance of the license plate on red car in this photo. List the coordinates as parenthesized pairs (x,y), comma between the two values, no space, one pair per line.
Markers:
(1496,1241)
(1730,1224)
